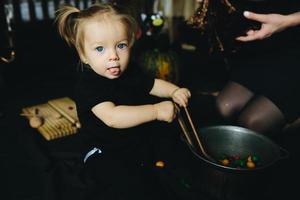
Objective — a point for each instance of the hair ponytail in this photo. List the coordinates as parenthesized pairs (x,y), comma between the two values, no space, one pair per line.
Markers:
(67,23)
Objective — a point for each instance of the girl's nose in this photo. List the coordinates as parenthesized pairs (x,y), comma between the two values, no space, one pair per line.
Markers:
(113,56)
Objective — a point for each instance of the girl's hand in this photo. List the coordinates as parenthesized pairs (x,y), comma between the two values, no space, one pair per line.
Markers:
(181,96)
(165,111)
(270,24)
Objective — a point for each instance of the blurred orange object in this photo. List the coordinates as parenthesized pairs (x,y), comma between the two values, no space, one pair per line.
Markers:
(250,164)
(225,162)
(160,164)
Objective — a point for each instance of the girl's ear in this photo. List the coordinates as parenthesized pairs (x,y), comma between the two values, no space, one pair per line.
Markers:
(85,61)
(83,58)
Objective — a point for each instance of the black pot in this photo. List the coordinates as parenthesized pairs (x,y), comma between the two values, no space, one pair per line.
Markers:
(232,183)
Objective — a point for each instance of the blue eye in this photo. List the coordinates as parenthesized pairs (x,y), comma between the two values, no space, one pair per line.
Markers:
(122,45)
(100,49)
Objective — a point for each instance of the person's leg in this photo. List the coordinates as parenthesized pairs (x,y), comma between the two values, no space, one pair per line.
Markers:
(232,99)
(261,115)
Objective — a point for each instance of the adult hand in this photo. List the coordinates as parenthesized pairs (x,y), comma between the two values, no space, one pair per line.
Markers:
(270,24)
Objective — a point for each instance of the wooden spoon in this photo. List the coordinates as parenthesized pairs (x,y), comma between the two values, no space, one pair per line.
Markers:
(194,131)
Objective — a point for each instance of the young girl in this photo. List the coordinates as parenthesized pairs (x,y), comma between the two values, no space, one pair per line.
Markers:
(113,102)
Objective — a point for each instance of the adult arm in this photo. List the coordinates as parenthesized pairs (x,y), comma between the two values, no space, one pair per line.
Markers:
(270,24)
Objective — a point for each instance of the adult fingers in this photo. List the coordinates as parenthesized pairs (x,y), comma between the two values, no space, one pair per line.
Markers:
(255,16)
(254,35)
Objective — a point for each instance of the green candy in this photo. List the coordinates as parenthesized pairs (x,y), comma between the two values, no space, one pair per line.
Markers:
(242,163)
(254,158)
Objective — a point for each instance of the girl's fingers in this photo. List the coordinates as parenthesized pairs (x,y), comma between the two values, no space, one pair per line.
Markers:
(181,101)
(181,97)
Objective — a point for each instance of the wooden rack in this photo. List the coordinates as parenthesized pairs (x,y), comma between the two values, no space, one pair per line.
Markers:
(59,117)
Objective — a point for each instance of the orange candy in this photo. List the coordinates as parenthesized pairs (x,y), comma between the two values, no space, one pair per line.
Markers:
(225,162)
(250,164)
(160,164)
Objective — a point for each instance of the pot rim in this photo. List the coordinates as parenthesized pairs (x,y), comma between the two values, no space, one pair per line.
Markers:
(283,153)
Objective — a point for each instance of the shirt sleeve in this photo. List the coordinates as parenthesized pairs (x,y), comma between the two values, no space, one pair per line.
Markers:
(140,80)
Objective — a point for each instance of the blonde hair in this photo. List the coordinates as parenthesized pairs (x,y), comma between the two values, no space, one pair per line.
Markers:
(70,22)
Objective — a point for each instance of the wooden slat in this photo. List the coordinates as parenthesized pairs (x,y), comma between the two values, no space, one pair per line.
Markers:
(32,11)
(17,11)
(85,3)
(77,3)
(45,9)
(66,107)
(2,22)
(67,2)
(55,124)
(56,4)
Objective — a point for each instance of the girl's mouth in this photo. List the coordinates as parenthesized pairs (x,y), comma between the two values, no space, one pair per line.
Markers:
(115,71)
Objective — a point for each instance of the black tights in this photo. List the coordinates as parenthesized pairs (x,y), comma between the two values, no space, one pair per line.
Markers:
(258,113)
